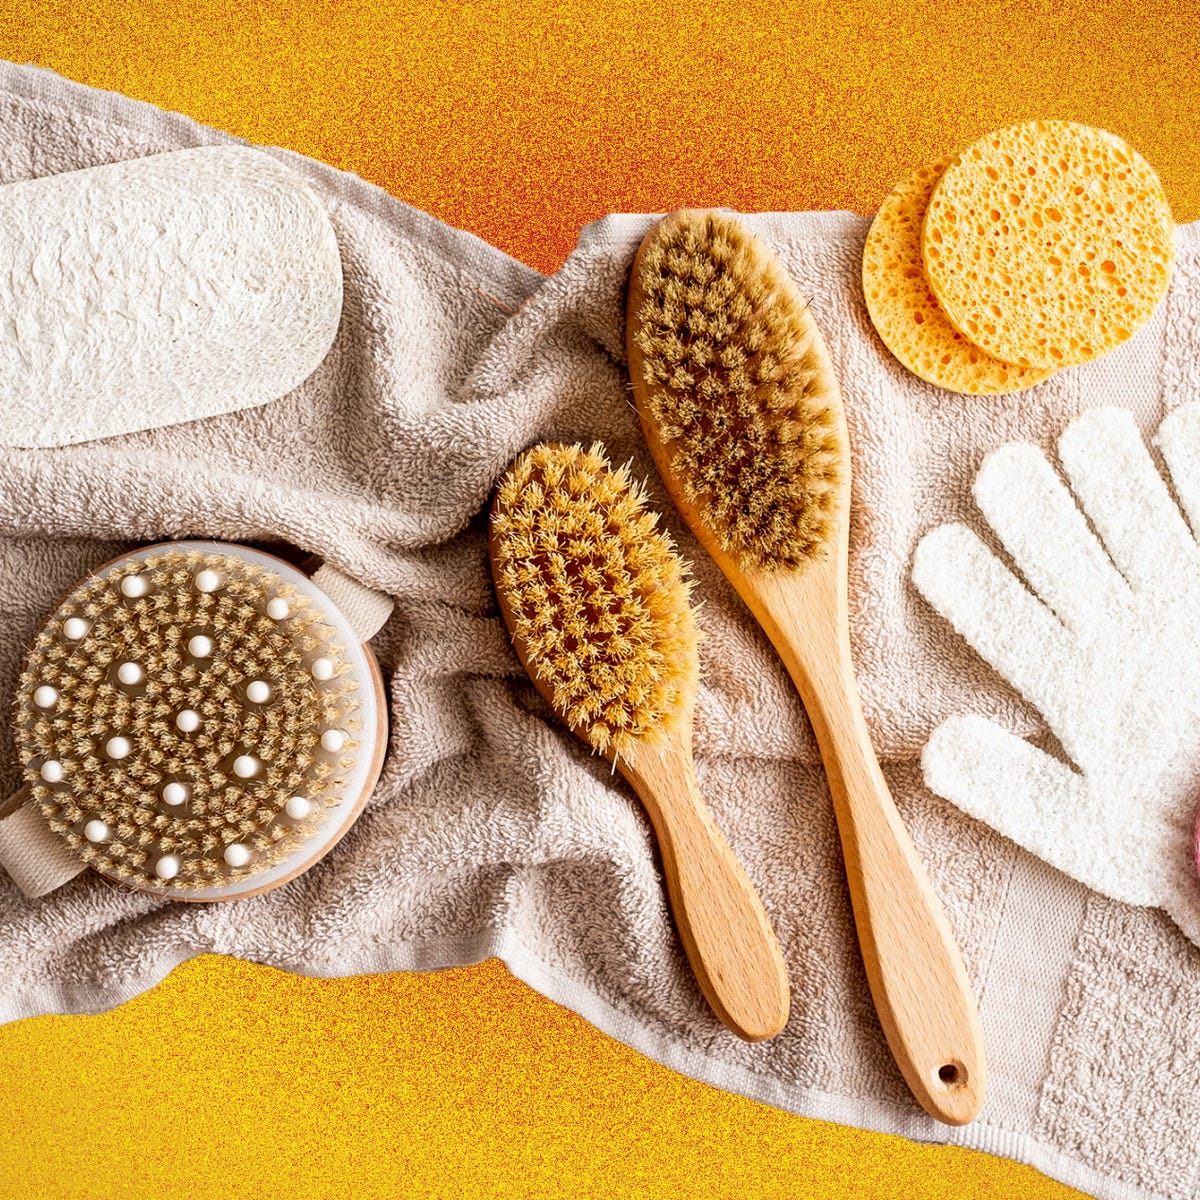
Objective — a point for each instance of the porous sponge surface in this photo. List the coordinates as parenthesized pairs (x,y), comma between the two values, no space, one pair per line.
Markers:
(1048,243)
(93,704)
(737,384)
(905,311)
(596,597)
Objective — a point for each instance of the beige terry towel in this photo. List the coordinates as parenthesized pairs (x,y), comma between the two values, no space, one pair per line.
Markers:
(492,831)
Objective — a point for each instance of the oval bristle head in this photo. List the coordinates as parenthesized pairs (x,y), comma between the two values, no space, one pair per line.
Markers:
(596,598)
(738,386)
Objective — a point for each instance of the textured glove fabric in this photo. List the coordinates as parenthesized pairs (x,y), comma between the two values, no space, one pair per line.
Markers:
(1100,632)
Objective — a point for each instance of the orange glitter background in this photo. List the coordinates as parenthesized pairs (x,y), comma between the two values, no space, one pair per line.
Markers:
(521,122)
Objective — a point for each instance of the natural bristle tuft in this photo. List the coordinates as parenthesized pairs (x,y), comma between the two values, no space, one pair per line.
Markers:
(739,390)
(595,597)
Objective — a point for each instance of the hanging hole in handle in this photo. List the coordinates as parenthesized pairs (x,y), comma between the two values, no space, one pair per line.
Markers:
(952,1076)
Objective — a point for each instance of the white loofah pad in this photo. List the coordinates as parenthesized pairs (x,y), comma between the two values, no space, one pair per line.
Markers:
(160,290)
(1102,636)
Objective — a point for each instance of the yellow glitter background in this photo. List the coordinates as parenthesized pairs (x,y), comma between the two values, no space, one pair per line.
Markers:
(521,121)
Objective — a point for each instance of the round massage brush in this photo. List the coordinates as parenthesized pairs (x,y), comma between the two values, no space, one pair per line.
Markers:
(743,417)
(200,721)
(597,604)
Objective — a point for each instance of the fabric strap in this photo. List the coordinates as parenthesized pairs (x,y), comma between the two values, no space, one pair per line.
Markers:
(365,608)
(35,857)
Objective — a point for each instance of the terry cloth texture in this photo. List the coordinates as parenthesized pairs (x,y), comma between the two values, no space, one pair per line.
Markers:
(494,832)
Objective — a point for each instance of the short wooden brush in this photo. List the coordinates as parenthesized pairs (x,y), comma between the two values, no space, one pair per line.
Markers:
(597,604)
(743,417)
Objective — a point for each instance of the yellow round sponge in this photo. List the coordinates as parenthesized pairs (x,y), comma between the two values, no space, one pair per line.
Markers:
(906,313)
(1048,243)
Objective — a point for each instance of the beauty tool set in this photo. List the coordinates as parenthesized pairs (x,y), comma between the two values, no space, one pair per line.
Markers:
(202,721)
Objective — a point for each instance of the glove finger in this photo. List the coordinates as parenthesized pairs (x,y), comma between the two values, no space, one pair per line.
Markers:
(1007,626)
(1036,518)
(1129,504)
(1179,439)
(1179,850)
(1038,802)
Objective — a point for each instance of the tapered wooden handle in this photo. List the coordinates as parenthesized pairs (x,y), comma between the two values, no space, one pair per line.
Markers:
(918,982)
(917,978)
(724,928)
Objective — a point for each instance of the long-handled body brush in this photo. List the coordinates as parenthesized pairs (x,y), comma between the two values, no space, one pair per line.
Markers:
(597,605)
(743,417)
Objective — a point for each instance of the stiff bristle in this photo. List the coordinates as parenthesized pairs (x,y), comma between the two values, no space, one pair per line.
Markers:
(595,596)
(739,396)
(150,721)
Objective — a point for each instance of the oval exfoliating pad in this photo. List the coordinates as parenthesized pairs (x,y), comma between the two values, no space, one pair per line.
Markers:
(163,289)
(200,721)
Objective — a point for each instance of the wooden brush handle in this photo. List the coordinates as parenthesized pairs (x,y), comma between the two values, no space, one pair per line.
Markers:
(725,931)
(916,974)
(917,978)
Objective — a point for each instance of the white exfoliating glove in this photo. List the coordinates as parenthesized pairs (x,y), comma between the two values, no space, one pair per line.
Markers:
(1102,638)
